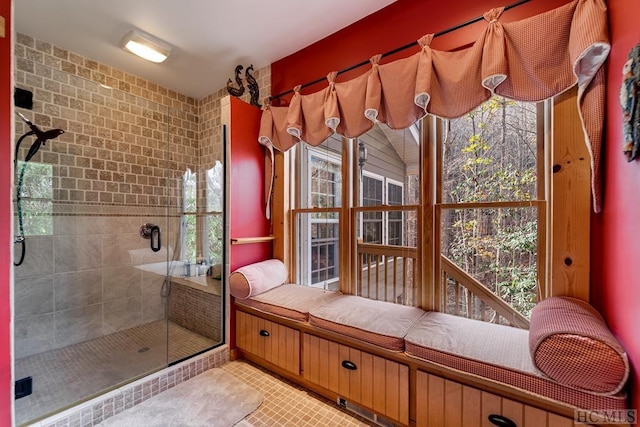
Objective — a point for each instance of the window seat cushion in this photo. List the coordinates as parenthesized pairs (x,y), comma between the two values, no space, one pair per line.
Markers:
(256,278)
(290,301)
(381,323)
(570,338)
(497,352)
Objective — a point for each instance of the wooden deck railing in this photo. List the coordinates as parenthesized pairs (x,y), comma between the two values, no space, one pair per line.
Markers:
(387,273)
(462,295)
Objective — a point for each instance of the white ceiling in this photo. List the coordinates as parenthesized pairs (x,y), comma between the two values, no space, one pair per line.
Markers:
(210,37)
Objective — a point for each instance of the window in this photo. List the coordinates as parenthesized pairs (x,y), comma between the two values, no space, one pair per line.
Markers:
(213,219)
(201,225)
(382,227)
(489,197)
(189,218)
(372,222)
(35,183)
(395,197)
(321,194)
(490,201)
(482,244)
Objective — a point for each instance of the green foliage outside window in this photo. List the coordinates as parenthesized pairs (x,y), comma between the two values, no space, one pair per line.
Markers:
(36,195)
(490,155)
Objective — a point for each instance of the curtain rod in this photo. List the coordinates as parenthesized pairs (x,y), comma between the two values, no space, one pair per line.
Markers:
(399,49)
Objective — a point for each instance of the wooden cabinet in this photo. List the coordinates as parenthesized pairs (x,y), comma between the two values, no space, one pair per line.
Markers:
(445,403)
(359,377)
(275,343)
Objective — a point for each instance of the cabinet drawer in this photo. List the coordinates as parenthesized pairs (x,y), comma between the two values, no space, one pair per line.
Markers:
(444,403)
(371,381)
(275,343)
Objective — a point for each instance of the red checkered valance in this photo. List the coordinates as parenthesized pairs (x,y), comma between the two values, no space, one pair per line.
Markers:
(528,60)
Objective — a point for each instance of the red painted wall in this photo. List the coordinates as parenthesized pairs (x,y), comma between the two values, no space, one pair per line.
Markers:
(615,287)
(398,24)
(6,100)
(246,181)
(616,282)
(247,177)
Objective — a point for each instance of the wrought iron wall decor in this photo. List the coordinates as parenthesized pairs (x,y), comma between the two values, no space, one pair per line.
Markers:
(233,91)
(254,90)
(252,84)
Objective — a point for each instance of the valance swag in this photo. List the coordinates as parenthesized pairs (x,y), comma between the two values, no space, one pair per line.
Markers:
(530,60)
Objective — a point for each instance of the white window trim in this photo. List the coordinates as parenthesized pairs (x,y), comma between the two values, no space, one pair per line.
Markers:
(307,152)
(361,201)
(386,214)
(385,201)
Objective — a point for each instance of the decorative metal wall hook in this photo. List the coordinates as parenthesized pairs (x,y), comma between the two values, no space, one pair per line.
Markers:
(237,92)
(254,90)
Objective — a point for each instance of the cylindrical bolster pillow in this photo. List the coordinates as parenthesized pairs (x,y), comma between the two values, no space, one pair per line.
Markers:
(570,342)
(254,279)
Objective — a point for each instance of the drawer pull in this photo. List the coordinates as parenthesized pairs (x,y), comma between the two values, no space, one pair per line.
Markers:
(264,333)
(500,421)
(349,365)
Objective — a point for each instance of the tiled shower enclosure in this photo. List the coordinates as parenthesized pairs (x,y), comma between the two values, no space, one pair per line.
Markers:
(90,289)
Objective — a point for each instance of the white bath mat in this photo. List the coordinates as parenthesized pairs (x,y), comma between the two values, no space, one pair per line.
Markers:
(214,398)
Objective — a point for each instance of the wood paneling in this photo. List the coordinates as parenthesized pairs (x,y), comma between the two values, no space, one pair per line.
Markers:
(280,207)
(571,202)
(281,347)
(377,384)
(445,403)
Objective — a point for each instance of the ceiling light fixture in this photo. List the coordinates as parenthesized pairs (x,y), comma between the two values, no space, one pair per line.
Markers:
(145,46)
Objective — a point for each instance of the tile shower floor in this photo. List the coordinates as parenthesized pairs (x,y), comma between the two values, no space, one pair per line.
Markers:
(64,376)
(287,404)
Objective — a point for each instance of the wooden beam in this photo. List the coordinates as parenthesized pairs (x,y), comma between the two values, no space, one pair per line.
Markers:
(280,208)
(2,31)
(427,220)
(346,232)
(571,202)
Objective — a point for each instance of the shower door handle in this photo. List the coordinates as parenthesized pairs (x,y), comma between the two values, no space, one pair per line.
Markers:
(155,238)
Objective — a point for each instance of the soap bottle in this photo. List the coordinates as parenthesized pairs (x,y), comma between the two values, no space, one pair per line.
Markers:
(199,264)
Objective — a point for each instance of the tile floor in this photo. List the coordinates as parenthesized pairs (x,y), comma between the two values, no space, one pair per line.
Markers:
(286,404)
(65,376)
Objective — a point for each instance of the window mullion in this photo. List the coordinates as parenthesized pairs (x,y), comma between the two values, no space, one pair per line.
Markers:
(347,220)
(428,231)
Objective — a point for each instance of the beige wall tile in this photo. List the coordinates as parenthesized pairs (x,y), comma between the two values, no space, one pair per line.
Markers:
(34,335)
(122,314)
(77,325)
(77,289)
(76,253)
(33,296)
(121,282)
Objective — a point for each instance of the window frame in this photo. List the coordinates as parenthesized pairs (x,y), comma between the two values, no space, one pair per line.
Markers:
(391,181)
(565,218)
(305,274)
(386,181)
(539,203)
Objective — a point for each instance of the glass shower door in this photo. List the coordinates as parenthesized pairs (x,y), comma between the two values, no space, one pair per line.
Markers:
(89,297)
(196,211)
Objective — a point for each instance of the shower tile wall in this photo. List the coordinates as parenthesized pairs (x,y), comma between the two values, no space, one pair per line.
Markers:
(111,173)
